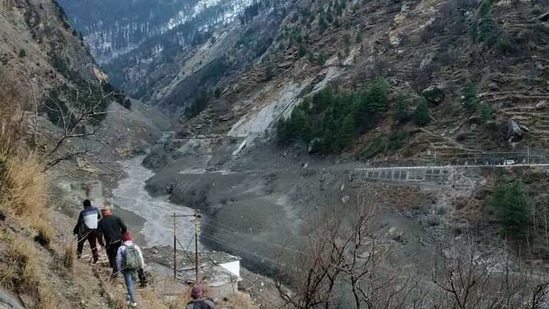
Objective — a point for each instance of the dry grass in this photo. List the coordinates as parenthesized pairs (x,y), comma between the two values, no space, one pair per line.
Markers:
(23,196)
(22,255)
(240,301)
(69,256)
(25,190)
(22,271)
(23,186)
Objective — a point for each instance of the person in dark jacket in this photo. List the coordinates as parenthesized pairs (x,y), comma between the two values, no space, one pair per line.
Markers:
(86,229)
(112,228)
(198,301)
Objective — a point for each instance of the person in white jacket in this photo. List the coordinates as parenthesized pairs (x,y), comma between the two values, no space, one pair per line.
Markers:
(129,258)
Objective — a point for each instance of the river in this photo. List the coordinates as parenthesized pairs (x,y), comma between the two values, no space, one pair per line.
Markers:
(130,195)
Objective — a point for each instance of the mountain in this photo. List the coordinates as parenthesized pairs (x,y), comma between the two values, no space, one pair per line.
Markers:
(287,114)
(138,42)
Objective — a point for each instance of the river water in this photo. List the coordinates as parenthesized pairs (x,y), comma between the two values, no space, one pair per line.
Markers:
(157,212)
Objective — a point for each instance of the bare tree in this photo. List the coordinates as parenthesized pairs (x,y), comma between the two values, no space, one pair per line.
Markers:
(347,263)
(79,120)
(471,279)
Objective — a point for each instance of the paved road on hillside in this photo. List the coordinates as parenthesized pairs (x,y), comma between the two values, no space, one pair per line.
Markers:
(420,167)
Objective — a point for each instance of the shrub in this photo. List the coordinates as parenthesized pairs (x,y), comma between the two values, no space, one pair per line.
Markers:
(22,53)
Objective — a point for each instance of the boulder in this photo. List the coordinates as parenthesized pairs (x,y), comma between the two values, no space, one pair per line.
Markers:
(515,129)
(433,94)
(541,104)
(544,17)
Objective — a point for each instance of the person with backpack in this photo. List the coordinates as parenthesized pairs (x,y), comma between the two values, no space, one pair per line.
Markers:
(86,229)
(111,228)
(129,259)
(198,301)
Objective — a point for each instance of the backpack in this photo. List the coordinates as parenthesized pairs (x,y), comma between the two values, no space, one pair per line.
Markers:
(131,260)
(199,304)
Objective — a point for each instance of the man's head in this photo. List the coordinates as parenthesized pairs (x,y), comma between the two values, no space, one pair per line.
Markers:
(106,211)
(86,203)
(196,292)
(127,236)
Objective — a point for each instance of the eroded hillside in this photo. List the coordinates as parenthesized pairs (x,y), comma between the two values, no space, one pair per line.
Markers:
(482,64)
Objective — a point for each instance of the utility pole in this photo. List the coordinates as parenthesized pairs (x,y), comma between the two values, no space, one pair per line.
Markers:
(196,232)
(196,224)
(174,246)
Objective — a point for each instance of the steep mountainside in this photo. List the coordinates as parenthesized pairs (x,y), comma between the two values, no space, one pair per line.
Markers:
(250,72)
(138,42)
(481,66)
(55,107)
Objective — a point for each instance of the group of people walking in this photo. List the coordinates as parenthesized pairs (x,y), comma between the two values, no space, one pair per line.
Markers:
(125,257)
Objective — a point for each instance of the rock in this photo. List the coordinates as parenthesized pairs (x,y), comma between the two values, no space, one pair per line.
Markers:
(433,94)
(544,17)
(285,65)
(2,216)
(474,120)
(541,104)
(426,61)
(433,221)
(493,86)
(515,129)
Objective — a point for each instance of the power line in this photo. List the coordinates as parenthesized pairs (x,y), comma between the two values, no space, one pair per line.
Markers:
(251,237)
(238,248)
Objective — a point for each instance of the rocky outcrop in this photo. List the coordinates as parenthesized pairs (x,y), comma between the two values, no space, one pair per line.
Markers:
(433,94)
(515,130)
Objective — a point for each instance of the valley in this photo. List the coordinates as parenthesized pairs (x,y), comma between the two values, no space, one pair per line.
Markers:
(342,153)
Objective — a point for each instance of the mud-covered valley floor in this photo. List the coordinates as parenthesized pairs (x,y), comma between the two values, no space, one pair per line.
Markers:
(262,203)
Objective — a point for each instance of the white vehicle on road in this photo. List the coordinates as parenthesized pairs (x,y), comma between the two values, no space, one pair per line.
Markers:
(509,162)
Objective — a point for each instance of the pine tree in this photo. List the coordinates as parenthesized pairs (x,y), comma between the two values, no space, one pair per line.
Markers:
(329,132)
(301,125)
(346,133)
(401,109)
(485,112)
(302,51)
(512,207)
(421,116)
(469,98)
(282,131)
(377,95)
